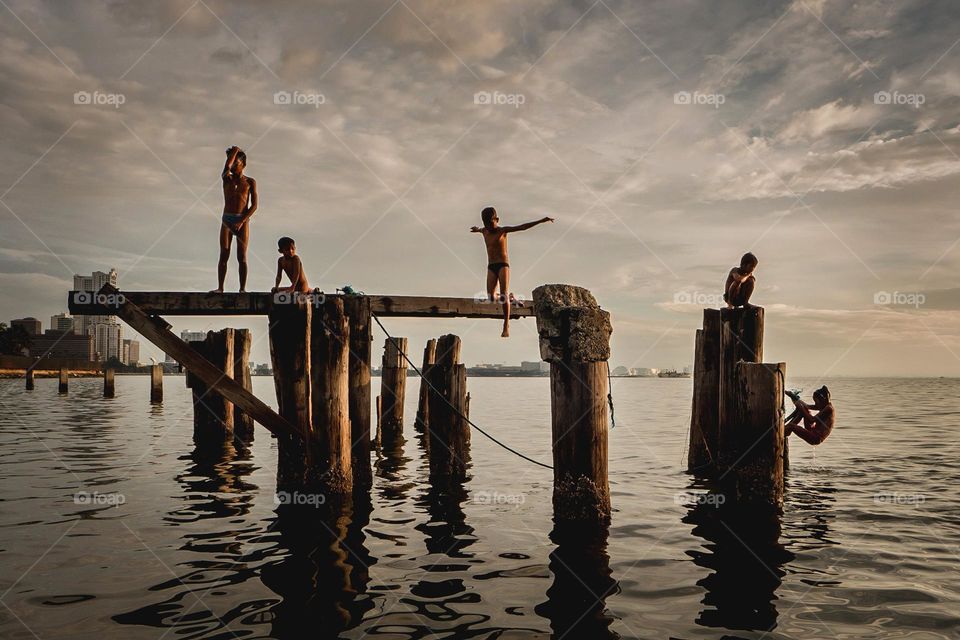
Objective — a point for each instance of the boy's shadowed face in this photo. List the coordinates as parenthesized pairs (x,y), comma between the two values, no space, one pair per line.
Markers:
(289,250)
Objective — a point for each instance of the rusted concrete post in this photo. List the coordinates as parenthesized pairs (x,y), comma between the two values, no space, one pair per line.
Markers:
(575,340)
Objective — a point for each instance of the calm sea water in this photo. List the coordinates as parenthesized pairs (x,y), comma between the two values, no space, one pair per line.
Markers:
(178,545)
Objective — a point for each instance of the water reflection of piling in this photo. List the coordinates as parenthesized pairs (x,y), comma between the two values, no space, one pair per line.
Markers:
(746,561)
(582,581)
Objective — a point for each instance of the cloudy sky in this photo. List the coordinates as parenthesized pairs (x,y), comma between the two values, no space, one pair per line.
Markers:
(666,137)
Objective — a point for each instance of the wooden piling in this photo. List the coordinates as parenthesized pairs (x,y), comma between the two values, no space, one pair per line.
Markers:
(705,416)
(213,415)
(448,430)
(242,422)
(741,340)
(393,384)
(753,443)
(108,383)
(423,405)
(329,452)
(156,384)
(64,380)
(379,438)
(575,340)
(289,331)
(29,377)
(357,309)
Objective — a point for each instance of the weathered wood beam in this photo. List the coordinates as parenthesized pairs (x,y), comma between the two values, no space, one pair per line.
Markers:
(195,303)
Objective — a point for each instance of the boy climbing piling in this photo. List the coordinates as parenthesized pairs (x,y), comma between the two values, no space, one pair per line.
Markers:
(741,282)
(498,264)
(289,263)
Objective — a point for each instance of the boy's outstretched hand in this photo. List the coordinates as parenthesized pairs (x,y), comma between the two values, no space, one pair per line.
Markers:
(475,229)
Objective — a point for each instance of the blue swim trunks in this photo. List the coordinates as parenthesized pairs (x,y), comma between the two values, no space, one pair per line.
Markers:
(231,219)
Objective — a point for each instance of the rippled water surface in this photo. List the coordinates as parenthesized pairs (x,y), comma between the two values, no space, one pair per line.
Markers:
(868,545)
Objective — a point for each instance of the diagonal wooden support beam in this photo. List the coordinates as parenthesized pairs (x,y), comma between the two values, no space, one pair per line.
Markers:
(157,330)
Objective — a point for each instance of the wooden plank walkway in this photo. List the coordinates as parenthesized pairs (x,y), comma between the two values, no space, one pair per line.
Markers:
(195,303)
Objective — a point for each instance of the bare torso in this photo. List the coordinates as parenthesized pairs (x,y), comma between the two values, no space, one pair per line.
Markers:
(236,193)
(293,267)
(496,242)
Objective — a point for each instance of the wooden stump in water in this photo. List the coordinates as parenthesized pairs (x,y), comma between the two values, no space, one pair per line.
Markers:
(108,383)
(741,340)
(64,385)
(393,383)
(213,415)
(156,384)
(29,377)
(242,422)
(357,309)
(290,327)
(329,469)
(753,443)
(423,404)
(705,416)
(448,430)
(575,340)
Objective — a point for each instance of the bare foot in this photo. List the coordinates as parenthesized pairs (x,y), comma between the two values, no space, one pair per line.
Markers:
(514,302)
(243,290)
(216,290)
(506,332)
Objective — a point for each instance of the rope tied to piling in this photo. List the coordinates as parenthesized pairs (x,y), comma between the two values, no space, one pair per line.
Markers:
(449,404)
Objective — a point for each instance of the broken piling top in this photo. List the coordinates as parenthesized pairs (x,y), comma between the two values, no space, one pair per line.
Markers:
(571,325)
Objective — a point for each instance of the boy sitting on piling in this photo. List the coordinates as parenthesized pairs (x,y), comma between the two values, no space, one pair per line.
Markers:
(741,282)
(289,263)
(498,265)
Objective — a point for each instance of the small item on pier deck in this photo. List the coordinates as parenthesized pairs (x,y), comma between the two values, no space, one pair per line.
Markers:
(741,340)
(29,376)
(448,430)
(108,382)
(156,383)
(64,380)
(289,329)
(242,423)
(357,308)
(213,415)
(423,405)
(575,340)
(329,469)
(753,443)
(393,383)
(705,417)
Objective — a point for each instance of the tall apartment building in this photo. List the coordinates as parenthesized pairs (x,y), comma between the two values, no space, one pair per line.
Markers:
(106,331)
(31,325)
(131,352)
(61,322)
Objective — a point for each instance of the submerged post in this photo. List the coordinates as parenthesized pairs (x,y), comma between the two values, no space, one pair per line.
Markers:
(753,443)
(393,383)
(64,380)
(705,416)
(156,383)
(29,377)
(242,422)
(289,331)
(329,453)
(213,415)
(448,431)
(108,383)
(575,340)
(423,405)
(358,313)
